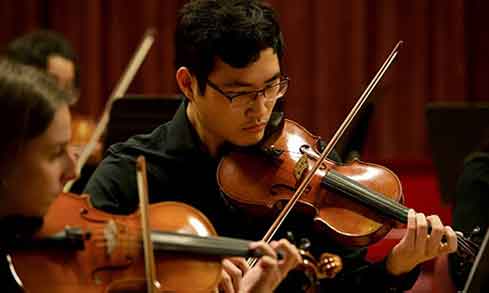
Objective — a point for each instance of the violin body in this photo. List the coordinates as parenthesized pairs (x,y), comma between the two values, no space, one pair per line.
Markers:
(111,259)
(263,182)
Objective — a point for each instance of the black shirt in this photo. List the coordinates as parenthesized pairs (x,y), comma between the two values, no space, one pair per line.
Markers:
(472,195)
(180,170)
(471,208)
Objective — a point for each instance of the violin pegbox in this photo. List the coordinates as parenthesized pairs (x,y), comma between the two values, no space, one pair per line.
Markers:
(328,266)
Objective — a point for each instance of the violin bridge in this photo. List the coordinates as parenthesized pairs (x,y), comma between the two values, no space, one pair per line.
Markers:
(111,232)
(300,167)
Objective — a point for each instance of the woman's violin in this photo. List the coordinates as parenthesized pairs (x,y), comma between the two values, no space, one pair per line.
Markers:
(82,249)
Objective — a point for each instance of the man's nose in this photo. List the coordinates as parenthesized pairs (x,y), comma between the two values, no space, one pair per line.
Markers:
(259,105)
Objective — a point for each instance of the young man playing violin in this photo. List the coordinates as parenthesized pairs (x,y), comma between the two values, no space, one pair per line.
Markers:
(229,59)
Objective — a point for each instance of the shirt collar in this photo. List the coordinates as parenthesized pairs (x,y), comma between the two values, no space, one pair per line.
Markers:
(183,137)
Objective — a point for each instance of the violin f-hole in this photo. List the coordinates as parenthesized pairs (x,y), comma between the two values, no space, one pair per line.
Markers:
(84,215)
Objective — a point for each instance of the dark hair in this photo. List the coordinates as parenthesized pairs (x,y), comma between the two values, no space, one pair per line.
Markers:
(35,48)
(236,31)
(29,99)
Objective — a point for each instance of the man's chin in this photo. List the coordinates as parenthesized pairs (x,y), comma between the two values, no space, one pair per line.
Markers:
(249,140)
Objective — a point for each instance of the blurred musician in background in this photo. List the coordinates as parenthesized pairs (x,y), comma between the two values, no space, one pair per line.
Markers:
(51,52)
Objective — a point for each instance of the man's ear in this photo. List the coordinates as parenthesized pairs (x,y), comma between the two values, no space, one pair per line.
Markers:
(185,82)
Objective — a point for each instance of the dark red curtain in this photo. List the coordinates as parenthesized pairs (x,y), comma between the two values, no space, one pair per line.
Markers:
(334,48)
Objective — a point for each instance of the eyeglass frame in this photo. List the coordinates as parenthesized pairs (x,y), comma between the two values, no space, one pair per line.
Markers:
(283,79)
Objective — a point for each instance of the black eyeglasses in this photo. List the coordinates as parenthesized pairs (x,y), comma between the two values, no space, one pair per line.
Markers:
(270,93)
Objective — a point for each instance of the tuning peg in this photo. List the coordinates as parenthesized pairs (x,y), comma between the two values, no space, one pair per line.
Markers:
(475,232)
(330,265)
(305,244)
(289,235)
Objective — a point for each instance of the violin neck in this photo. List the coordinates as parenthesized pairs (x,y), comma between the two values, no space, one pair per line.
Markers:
(72,239)
(208,246)
(384,205)
(365,196)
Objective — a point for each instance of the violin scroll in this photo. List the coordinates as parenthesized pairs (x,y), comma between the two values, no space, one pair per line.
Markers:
(328,266)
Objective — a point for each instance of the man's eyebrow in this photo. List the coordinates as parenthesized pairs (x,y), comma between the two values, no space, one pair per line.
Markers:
(238,83)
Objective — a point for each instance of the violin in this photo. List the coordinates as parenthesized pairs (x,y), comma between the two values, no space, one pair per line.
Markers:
(82,249)
(343,199)
(356,204)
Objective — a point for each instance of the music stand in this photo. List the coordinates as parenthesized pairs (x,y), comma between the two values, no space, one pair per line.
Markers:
(454,131)
(477,280)
(138,114)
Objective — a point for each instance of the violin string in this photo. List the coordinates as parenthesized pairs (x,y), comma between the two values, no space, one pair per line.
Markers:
(461,243)
(473,244)
(466,244)
(133,238)
(379,201)
(466,249)
(384,202)
(128,238)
